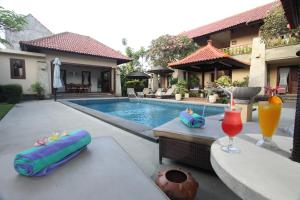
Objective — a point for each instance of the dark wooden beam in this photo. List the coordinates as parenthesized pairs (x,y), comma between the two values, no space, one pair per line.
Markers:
(296,140)
(215,73)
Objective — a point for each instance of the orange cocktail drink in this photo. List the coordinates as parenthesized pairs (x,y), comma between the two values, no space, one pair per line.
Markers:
(268,117)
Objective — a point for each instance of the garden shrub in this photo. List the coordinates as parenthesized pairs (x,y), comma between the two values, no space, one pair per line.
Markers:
(224,81)
(181,87)
(223,100)
(2,97)
(194,94)
(173,81)
(243,83)
(138,85)
(12,93)
(194,81)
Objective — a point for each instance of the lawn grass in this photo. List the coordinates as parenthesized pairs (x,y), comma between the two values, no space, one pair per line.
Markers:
(4,108)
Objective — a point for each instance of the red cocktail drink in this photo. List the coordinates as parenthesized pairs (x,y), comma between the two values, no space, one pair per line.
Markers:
(232,125)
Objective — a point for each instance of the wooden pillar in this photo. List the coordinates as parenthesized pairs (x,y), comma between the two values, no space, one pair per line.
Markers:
(296,141)
(202,79)
(114,80)
(215,73)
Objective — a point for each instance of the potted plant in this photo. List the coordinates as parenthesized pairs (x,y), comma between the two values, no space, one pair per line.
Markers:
(212,96)
(39,90)
(180,90)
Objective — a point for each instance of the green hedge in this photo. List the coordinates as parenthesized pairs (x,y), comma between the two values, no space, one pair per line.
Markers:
(2,97)
(11,93)
(138,85)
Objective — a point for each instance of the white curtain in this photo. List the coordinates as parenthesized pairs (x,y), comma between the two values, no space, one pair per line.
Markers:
(283,74)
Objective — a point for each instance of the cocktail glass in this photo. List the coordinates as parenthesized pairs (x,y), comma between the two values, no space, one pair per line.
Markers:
(268,118)
(232,125)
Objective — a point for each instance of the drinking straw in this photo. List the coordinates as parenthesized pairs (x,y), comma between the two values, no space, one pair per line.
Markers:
(231,96)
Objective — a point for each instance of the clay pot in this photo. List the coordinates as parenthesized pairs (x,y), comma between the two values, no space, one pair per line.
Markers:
(177,184)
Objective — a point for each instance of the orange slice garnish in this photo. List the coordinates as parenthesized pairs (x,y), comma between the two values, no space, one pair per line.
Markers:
(275,100)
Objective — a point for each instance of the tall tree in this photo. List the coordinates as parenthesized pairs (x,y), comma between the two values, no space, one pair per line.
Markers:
(9,20)
(137,63)
(167,48)
(275,24)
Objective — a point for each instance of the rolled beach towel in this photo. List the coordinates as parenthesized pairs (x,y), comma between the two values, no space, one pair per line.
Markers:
(39,161)
(192,120)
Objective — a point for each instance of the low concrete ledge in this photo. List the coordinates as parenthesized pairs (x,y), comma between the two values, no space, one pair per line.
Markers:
(132,127)
(255,172)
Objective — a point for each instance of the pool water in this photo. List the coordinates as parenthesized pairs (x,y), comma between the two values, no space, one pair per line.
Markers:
(147,112)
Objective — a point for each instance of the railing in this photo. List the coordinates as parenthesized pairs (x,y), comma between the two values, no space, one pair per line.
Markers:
(283,40)
(238,50)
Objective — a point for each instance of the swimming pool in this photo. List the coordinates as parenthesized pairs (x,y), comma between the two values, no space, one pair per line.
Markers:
(151,113)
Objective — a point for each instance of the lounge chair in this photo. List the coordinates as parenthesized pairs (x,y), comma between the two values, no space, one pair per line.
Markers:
(144,93)
(168,94)
(130,92)
(157,93)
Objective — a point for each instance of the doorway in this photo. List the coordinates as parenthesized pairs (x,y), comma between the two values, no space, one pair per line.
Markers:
(288,75)
(293,80)
(105,81)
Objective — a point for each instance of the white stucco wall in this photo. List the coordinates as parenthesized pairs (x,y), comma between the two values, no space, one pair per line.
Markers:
(38,68)
(34,66)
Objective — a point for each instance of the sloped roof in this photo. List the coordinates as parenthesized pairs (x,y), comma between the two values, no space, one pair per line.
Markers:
(249,16)
(205,55)
(75,43)
(138,75)
(160,70)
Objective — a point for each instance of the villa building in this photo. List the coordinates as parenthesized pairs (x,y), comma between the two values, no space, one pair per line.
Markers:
(238,37)
(88,66)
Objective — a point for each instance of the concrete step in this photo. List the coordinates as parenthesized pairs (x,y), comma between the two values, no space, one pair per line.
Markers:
(82,95)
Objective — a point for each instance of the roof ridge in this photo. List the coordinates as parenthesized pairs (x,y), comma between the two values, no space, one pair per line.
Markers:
(42,38)
(76,43)
(230,17)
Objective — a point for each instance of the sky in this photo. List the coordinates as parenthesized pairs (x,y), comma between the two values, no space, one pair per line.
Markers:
(138,21)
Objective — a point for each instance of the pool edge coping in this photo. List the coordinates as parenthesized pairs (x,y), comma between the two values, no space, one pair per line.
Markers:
(132,127)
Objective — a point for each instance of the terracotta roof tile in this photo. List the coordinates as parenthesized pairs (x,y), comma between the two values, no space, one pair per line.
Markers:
(204,54)
(243,18)
(75,43)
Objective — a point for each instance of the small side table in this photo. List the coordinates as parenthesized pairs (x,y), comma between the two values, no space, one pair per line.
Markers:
(256,172)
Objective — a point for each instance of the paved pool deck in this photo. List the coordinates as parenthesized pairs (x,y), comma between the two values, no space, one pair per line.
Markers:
(28,121)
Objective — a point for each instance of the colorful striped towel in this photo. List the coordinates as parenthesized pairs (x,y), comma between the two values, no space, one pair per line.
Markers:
(40,161)
(192,120)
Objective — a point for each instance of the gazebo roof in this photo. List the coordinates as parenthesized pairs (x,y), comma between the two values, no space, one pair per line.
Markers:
(160,70)
(206,56)
(138,75)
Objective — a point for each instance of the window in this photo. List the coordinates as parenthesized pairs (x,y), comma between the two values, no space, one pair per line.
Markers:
(17,68)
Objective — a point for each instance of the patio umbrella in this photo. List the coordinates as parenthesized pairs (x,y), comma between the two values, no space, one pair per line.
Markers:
(56,76)
(138,75)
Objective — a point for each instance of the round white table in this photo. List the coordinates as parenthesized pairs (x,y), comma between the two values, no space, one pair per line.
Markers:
(256,172)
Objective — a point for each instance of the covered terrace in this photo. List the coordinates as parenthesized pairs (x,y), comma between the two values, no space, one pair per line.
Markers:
(208,64)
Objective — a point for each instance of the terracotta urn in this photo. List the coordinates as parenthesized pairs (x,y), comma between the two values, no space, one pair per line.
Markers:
(177,184)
